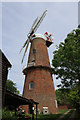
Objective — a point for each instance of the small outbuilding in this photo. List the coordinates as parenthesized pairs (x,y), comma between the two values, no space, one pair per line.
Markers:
(13,101)
(9,99)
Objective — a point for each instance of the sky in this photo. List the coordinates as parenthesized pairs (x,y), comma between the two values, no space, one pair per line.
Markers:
(17,18)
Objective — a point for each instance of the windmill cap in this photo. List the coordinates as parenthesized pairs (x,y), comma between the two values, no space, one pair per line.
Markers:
(38,35)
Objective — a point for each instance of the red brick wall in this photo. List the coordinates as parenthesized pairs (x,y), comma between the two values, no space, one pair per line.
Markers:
(63,107)
(43,91)
(41,56)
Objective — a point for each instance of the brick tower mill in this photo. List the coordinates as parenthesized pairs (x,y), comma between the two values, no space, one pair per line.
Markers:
(38,83)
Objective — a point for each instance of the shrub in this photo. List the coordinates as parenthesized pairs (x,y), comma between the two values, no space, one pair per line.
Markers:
(8,115)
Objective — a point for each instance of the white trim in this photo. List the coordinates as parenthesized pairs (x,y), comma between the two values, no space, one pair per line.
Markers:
(38,35)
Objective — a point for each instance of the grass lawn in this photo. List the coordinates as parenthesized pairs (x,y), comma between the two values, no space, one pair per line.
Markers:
(62,111)
(9,115)
(76,117)
(56,116)
(66,117)
(52,116)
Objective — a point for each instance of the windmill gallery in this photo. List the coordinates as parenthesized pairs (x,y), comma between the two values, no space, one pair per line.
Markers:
(39,84)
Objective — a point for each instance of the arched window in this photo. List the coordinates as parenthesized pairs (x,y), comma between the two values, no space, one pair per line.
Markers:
(31,85)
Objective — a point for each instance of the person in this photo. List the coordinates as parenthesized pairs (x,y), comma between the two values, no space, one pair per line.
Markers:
(23,111)
(19,111)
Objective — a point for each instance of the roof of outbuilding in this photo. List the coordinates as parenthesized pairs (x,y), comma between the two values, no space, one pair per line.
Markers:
(4,59)
(16,100)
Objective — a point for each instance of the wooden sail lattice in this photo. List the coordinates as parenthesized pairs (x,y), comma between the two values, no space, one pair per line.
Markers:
(33,29)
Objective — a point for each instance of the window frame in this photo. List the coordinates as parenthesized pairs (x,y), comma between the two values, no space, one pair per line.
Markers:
(31,85)
(34,51)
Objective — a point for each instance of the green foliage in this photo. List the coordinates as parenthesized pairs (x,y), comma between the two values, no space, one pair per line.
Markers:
(70,97)
(62,96)
(8,115)
(74,97)
(66,66)
(11,87)
(62,111)
(66,60)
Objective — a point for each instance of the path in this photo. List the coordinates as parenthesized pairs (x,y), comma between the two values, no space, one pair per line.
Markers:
(72,115)
(62,116)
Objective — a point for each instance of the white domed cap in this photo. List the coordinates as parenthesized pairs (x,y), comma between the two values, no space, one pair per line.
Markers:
(38,36)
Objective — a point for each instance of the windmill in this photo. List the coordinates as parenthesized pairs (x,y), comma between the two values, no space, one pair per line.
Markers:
(33,29)
(38,83)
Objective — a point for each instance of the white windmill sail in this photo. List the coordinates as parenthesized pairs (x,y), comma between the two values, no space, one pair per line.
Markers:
(24,45)
(25,50)
(33,29)
(33,25)
(29,33)
(40,20)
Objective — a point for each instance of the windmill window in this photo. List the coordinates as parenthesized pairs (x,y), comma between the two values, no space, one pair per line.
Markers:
(31,85)
(34,51)
(33,60)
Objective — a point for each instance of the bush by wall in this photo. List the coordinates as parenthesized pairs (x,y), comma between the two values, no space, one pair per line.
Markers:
(8,115)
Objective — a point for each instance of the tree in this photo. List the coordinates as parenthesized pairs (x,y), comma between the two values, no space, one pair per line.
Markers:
(74,97)
(66,60)
(70,97)
(11,86)
(66,66)
(61,96)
